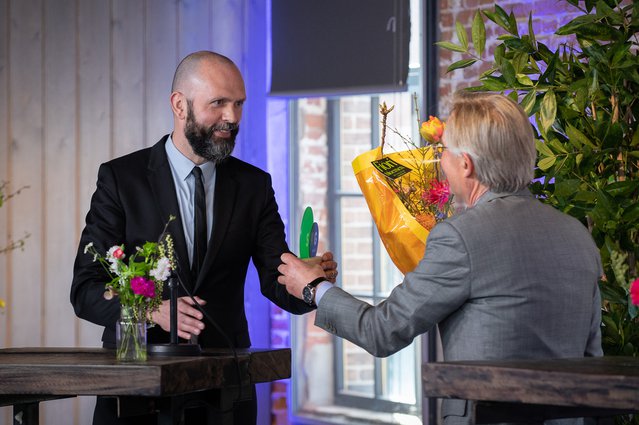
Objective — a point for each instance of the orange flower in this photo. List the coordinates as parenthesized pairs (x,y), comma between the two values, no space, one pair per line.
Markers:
(432,129)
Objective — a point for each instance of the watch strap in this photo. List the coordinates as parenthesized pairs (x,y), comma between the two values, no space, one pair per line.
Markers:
(316,282)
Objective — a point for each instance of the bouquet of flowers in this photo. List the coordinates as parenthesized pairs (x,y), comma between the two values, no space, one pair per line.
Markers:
(138,284)
(404,191)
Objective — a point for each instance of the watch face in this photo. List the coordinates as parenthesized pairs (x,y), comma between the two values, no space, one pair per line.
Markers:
(307,293)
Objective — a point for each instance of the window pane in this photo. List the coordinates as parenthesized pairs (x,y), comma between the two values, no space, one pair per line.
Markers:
(358,371)
(398,376)
(354,137)
(356,265)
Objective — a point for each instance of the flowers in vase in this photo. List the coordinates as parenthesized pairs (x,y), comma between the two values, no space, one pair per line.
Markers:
(138,280)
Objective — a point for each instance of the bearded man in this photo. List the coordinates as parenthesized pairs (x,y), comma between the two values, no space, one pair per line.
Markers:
(137,193)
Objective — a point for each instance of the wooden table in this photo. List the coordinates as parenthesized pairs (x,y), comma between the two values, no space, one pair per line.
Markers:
(534,390)
(31,375)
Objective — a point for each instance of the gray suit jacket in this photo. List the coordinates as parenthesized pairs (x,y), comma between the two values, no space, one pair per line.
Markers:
(509,278)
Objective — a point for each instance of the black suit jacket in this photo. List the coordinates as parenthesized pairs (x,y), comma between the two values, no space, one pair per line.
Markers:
(134,197)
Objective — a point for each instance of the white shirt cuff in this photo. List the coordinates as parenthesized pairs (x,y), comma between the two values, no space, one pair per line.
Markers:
(321,290)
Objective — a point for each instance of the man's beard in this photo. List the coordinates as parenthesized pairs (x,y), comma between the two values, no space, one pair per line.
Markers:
(203,140)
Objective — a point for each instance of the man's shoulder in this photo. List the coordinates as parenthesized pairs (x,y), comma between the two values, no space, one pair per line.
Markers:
(139,157)
(240,167)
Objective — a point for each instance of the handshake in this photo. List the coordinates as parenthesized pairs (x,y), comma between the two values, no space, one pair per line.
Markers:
(298,274)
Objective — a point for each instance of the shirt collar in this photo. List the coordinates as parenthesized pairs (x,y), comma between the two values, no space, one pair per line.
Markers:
(183,166)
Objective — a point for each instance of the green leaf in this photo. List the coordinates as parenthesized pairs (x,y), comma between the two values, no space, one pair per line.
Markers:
(547,162)
(531,31)
(461,35)
(512,24)
(631,214)
(585,196)
(478,33)
(508,71)
(622,188)
(494,84)
(557,145)
(572,26)
(464,63)
(543,149)
(500,17)
(566,187)
(451,46)
(635,138)
(528,102)
(548,110)
(577,138)
(524,80)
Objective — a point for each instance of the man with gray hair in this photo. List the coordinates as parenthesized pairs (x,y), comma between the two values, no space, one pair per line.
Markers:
(507,278)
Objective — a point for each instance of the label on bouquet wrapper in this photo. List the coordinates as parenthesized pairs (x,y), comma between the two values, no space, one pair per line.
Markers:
(389,168)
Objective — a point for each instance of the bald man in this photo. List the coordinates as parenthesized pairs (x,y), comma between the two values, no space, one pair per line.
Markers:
(137,193)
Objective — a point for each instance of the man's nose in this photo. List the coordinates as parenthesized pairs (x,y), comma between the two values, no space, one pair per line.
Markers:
(232,113)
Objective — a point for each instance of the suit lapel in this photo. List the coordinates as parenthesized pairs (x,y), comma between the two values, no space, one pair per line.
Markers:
(163,189)
(224,202)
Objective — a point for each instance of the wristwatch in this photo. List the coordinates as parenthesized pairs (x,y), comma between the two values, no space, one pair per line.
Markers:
(308,293)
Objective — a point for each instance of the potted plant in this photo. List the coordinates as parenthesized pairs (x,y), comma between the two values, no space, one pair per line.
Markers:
(584,97)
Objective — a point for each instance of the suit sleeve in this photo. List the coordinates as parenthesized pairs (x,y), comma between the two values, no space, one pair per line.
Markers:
(438,286)
(270,245)
(104,224)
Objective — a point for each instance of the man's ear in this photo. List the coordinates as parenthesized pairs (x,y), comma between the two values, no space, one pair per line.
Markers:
(178,105)
(468,165)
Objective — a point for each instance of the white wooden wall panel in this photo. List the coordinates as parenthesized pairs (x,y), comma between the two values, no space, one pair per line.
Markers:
(4,159)
(94,121)
(81,82)
(161,59)
(60,122)
(194,26)
(128,76)
(27,160)
(5,223)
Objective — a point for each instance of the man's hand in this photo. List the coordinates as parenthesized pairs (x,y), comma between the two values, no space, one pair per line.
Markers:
(329,266)
(189,318)
(296,273)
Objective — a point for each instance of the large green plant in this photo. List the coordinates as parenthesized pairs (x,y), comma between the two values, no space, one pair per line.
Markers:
(584,97)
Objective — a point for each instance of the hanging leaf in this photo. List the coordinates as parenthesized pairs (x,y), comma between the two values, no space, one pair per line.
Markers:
(528,102)
(479,34)
(451,46)
(547,162)
(548,110)
(577,138)
(460,64)
(461,35)
(524,80)
(531,31)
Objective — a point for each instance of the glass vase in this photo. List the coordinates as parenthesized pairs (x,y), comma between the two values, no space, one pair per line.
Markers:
(130,336)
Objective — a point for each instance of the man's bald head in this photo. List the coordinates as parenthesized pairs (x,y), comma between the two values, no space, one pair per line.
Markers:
(190,66)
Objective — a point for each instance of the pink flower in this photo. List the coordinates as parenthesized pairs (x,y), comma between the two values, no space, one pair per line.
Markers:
(437,193)
(142,286)
(115,253)
(634,292)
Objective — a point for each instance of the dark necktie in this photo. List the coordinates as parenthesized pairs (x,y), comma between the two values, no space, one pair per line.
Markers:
(199,228)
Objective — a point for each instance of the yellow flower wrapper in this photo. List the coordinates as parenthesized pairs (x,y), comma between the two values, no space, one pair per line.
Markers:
(400,232)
